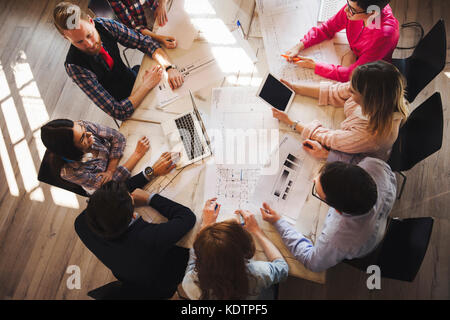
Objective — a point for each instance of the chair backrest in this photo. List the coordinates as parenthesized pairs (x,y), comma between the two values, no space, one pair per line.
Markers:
(101,8)
(420,136)
(49,172)
(109,291)
(401,252)
(427,60)
(404,248)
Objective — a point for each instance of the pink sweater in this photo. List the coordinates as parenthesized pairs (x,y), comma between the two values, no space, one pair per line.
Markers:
(367,43)
(353,136)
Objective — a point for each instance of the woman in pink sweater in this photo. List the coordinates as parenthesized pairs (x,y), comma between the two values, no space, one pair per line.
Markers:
(374,108)
(372,36)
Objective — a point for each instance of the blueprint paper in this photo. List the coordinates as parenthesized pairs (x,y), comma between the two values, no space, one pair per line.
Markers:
(199,68)
(233,179)
(283,24)
(287,190)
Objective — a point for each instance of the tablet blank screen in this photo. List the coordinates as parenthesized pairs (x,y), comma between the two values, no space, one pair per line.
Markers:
(275,93)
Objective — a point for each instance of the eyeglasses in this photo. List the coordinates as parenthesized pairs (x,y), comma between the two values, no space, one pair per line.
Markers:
(83,136)
(352,10)
(314,193)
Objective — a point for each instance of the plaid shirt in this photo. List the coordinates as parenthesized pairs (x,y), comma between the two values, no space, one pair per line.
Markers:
(131,12)
(108,144)
(87,80)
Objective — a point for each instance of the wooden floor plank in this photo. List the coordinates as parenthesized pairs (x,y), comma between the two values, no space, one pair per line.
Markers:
(37,239)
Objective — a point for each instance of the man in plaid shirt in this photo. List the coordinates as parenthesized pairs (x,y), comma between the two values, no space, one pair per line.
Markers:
(132,13)
(137,14)
(94,63)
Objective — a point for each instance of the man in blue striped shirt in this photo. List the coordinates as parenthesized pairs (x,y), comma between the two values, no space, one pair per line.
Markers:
(360,191)
(94,63)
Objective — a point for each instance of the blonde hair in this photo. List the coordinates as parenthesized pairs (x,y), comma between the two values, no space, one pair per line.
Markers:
(382,89)
(66,16)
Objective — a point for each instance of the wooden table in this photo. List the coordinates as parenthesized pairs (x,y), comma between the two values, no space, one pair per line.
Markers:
(187,185)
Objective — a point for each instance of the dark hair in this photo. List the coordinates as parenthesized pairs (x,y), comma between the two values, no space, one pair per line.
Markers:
(382,89)
(222,251)
(110,210)
(57,136)
(348,188)
(364,4)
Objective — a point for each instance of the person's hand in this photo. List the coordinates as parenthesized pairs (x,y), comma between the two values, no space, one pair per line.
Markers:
(176,79)
(152,77)
(294,51)
(168,42)
(251,225)
(306,63)
(161,13)
(105,176)
(142,147)
(268,214)
(165,163)
(140,197)
(280,115)
(288,84)
(210,212)
(315,149)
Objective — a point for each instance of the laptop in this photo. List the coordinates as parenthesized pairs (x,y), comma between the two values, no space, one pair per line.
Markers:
(187,134)
(328,8)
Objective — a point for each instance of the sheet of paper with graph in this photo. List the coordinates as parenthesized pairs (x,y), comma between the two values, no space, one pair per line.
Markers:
(286,190)
(243,134)
(199,67)
(283,24)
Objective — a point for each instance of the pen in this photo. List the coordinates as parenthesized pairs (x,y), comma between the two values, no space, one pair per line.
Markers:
(295,59)
(241,220)
(240,28)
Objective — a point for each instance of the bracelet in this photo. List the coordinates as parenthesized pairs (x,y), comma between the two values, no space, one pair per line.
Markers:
(294,125)
(170,67)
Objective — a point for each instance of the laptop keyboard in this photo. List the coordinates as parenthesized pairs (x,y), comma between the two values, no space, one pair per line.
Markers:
(189,136)
(328,8)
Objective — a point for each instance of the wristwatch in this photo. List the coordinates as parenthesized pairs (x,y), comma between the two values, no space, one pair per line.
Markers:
(149,172)
(172,66)
(294,125)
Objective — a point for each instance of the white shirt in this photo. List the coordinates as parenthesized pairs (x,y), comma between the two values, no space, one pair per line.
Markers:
(345,236)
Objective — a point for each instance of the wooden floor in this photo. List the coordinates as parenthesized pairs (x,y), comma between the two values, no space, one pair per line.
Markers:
(37,239)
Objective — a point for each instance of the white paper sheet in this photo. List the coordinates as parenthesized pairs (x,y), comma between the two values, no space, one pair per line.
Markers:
(179,26)
(242,128)
(237,34)
(199,67)
(232,185)
(287,190)
(232,179)
(282,27)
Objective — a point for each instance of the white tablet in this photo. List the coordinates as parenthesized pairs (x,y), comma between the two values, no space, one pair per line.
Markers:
(275,93)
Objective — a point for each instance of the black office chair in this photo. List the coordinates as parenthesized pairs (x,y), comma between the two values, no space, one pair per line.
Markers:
(426,62)
(109,291)
(419,137)
(400,254)
(270,293)
(49,172)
